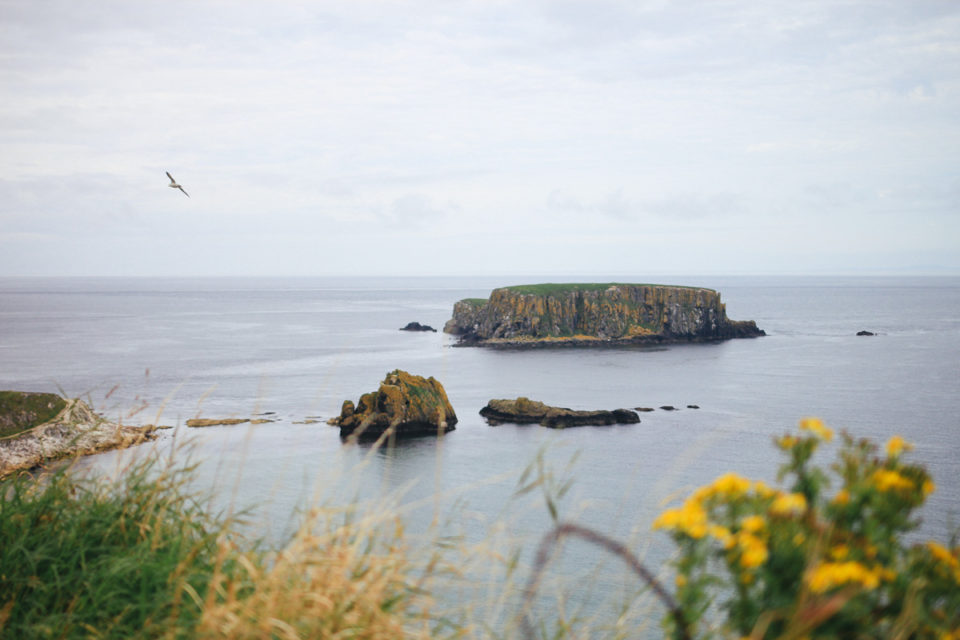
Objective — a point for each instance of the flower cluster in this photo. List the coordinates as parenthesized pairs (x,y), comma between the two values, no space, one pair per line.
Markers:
(798,562)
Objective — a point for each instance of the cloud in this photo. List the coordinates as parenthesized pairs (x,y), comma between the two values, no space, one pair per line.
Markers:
(679,207)
(314,118)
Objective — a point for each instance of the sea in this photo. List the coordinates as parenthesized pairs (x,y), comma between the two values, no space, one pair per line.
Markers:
(292,350)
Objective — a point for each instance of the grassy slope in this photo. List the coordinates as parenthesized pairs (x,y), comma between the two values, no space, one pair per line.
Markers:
(551,288)
(20,411)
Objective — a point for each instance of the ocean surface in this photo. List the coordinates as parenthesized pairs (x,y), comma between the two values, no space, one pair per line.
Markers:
(161,351)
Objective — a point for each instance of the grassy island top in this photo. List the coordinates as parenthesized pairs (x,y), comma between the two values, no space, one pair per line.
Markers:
(551,288)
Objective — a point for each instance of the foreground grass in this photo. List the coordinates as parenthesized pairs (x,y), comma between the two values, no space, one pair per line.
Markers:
(141,558)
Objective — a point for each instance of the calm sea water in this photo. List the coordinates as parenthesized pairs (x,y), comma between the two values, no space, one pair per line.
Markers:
(165,350)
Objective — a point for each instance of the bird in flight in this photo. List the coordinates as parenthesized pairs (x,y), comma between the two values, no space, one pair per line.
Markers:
(173,185)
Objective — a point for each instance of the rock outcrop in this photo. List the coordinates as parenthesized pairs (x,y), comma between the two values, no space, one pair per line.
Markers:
(594,315)
(526,411)
(32,436)
(416,326)
(404,405)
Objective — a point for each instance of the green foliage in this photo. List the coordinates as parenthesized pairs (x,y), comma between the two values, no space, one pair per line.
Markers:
(796,563)
(88,559)
(551,288)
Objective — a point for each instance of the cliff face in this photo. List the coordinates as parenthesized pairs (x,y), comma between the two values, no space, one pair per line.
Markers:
(601,313)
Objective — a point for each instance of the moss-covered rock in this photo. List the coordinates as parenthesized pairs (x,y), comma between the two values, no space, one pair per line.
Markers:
(595,314)
(404,405)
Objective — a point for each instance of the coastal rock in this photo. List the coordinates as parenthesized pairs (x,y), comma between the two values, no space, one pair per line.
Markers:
(865,333)
(404,405)
(526,411)
(31,437)
(416,326)
(594,315)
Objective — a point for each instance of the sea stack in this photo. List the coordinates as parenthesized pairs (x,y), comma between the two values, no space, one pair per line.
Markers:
(404,405)
(582,314)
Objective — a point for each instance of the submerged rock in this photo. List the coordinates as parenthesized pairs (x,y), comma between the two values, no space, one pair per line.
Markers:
(595,315)
(526,411)
(404,405)
(36,428)
(865,333)
(215,422)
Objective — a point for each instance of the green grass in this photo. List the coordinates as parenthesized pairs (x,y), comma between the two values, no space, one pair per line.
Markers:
(20,411)
(90,559)
(551,288)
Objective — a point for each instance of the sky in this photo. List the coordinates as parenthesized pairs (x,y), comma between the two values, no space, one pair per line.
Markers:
(481,137)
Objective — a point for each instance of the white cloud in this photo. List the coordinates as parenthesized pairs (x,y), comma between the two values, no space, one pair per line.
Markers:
(455,119)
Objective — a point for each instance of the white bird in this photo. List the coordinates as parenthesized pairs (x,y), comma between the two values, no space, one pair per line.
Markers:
(173,185)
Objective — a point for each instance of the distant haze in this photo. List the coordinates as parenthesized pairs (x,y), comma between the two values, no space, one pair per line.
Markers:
(479,137)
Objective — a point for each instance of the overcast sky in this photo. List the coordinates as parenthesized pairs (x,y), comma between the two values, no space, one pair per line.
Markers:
(479,137)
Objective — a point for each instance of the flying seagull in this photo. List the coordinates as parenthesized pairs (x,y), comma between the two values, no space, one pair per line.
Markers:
(173,185)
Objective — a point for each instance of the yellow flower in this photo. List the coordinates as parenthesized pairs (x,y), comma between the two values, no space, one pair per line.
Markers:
(842,497)
(753,550)
(840,552)
(722,534)
(786,442)
(928,487)
(799,539)
(816,427)
(888,480)
(946,558)
(754,557)
(897,445)
(834,574)
(763,490)
(681,580)
(690,519)
(788,504)
(731,484)
(753,524)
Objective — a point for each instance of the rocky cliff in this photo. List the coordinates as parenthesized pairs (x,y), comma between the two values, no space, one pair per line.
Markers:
(588,314)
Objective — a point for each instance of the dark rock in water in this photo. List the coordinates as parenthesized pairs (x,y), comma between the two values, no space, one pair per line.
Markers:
(594,315)
(416,326)
(865,333)
(526,411)
(668,407)
(693,406)
(644,409)
(404,405)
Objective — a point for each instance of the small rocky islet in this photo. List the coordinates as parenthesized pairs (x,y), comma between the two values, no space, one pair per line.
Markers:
(526,411)
(594,315)
(404,405)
